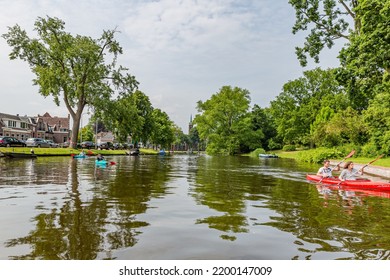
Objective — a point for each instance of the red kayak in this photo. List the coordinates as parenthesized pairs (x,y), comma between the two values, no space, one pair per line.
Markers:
(356,184)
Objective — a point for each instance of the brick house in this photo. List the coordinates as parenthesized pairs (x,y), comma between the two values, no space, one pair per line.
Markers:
(46,127)
(56,128)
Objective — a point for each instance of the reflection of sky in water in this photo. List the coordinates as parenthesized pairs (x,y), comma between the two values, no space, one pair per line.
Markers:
(183,207)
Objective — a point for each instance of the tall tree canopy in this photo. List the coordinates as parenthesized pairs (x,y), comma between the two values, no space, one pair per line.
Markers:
(130,115)
(300,103)
(71,67)
(224,121)
(329,20)
(366,58)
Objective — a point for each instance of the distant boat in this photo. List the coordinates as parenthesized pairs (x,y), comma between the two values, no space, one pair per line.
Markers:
(19,155)
(268,156)
(134,152)
(80,156)
(161,152)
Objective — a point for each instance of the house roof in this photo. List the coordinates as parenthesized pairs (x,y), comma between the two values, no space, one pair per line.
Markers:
(55,121)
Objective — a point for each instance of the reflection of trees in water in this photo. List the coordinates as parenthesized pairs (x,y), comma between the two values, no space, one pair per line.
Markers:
(218,186)
(356,228)
(43,170)
(107,220)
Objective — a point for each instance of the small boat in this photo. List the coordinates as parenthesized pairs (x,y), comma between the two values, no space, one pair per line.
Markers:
(79,156)
(161,152)
(347,184)
(101,162)
(268,156)
(134,152)
(19,155)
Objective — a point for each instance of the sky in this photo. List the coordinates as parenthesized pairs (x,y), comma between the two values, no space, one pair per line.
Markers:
(180,51)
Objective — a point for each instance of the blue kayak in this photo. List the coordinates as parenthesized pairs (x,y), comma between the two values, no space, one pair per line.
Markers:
(101,162)
(79,156)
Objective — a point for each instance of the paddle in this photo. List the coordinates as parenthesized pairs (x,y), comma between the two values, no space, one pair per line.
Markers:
(364,166)
(348,156)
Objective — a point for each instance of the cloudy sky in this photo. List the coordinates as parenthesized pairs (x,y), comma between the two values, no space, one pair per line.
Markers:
(181,51)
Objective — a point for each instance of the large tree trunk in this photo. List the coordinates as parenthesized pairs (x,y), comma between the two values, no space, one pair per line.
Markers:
(75,130)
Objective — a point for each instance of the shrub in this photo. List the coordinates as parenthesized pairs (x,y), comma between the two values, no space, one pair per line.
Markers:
(289,148)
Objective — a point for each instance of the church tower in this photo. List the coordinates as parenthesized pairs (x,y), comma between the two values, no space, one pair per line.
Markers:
(190,125)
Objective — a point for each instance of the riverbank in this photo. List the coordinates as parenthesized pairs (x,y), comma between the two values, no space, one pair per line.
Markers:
(380,167)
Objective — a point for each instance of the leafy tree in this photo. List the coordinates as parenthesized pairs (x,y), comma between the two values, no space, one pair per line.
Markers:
(343,127)
(377,118)
(224,121)
(163,129)
(296,108)
(71,67)
(262,121)
(130,115)
(366,59)
(329,20)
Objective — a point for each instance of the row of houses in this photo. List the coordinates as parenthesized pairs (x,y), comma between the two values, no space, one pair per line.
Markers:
(46,127)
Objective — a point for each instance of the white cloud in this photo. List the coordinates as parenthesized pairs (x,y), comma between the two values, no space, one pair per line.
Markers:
(180,51)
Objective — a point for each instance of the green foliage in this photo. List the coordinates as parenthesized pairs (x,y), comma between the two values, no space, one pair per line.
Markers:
(289,148)
(163,129)
(320,154)
(130,115)
(370,150)
(365,60)
(377,118)
(256,152)
(264,126)
(72,68)
(301,104)
(224,122)
(328,21)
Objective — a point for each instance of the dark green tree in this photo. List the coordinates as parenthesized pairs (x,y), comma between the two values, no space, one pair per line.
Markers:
(224,121)
(328,19)
(73,68)
(297,107)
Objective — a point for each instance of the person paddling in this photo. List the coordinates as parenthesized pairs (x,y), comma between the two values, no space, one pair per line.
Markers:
(349,172)
(325,171)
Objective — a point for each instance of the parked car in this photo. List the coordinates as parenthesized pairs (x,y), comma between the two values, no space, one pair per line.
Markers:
(52,144)
(6,141)
(37,142)
(87,145)
(105,146)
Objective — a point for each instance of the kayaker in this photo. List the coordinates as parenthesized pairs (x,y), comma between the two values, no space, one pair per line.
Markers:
(325,171)
(100,157)
(349,172)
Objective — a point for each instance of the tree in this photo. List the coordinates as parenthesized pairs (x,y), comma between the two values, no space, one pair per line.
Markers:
(296,108)
(224,120)
(377,118)
(71,67)
(162,129)
(366,58)
(262,121)
(130,115)
(329,21)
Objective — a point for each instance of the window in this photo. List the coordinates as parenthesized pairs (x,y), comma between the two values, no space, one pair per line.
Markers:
(11,123)
(23,125)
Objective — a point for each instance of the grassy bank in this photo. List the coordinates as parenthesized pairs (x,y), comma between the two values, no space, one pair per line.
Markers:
(301,155)
(69,151)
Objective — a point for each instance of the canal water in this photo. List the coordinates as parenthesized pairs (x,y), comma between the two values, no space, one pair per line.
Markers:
(184,207)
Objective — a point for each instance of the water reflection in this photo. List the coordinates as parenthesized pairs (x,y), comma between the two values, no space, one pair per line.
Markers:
(86,224)
(184,207)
